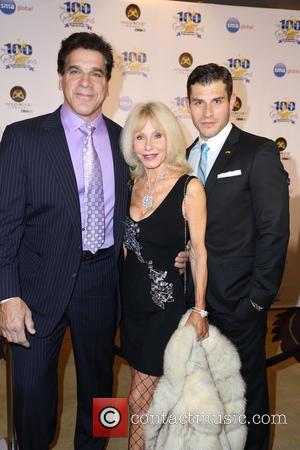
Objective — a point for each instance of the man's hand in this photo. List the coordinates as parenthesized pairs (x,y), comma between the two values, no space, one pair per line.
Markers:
(182,258)
(15,316)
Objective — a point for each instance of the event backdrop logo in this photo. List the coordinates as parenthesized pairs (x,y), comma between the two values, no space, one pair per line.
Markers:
(188,23)
(283,111)
(281,143)
(25,8)
(239,68)
(185,60)
(237,112)
(18,104)
(238,104)
(125,103)
(17,55)
(18,94)
(77,14)
(133,13)
(233,25)
(7,6)
(279,70)
(134,63)
(179,107)
(288,30)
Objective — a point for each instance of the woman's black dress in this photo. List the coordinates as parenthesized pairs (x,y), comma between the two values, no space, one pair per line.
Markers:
(152,290)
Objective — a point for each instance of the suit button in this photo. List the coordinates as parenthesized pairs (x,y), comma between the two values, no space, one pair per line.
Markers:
(74,275)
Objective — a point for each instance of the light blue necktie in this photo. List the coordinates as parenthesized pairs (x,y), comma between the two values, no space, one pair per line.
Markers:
(202,166)
(94,227)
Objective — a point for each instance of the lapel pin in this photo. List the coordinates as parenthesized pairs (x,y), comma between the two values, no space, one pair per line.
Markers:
(227,152)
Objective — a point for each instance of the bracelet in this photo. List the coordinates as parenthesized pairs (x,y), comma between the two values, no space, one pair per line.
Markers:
(202,312)
(6,300)
(256,306)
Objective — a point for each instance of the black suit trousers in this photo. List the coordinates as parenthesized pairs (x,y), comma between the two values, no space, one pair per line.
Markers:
(249,336)
(91,315)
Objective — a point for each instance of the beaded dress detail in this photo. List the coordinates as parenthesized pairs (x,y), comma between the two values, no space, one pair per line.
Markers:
(161,291)
(152,290)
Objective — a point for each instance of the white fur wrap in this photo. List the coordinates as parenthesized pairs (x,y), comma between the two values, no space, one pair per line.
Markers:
(202,391)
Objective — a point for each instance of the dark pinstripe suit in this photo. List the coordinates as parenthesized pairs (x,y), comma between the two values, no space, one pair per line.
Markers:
(40,261)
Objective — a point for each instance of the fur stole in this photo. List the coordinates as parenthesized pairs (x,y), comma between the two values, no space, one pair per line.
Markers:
(199,402)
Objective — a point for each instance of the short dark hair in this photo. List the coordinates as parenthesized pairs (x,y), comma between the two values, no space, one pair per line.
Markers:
(207,74)
(88,41)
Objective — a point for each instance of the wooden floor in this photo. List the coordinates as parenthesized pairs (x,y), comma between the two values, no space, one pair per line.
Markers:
(283,384)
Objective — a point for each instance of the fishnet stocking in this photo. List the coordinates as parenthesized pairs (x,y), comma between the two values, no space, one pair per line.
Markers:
(140,397)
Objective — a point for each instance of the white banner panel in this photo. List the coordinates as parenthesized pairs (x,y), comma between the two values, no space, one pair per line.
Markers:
(157,43)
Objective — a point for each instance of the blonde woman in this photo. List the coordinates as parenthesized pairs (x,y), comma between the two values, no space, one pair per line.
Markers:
(162,196)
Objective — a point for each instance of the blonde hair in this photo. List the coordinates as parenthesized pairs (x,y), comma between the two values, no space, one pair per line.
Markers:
(166,123)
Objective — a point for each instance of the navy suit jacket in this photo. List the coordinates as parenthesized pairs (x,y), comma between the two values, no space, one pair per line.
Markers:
(247,225)
(40,223)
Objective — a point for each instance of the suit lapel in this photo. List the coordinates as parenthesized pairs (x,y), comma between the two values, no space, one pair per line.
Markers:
(116,154)
(121,174)
(56,148)
(226,153)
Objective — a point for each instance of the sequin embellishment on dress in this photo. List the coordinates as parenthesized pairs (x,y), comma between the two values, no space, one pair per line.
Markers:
(161,291)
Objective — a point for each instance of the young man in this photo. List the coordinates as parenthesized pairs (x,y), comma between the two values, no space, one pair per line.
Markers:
(58,261)
(247,229)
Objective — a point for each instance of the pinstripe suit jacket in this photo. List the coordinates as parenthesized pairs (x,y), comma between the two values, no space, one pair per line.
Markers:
(40,223)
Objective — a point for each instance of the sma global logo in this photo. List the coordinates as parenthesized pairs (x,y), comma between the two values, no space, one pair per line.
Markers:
(7,7)
(233,25)
(125,103)
(279,70)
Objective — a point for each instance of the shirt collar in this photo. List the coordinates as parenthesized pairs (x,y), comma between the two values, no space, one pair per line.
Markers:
(219,138)
(72,122)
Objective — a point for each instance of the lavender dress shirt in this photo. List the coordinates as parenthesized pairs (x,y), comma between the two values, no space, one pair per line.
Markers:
(71,123)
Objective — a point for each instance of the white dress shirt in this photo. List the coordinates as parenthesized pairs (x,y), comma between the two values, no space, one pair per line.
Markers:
(215,144)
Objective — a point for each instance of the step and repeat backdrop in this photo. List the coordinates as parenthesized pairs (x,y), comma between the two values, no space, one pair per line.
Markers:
(157,43)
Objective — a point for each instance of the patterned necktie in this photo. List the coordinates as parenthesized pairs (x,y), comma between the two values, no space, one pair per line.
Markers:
(202,167)
(94,227)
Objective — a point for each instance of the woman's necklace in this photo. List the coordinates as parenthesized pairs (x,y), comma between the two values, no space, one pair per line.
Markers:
(148,199)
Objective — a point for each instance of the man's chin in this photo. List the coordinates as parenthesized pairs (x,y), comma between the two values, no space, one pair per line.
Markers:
(207,135)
